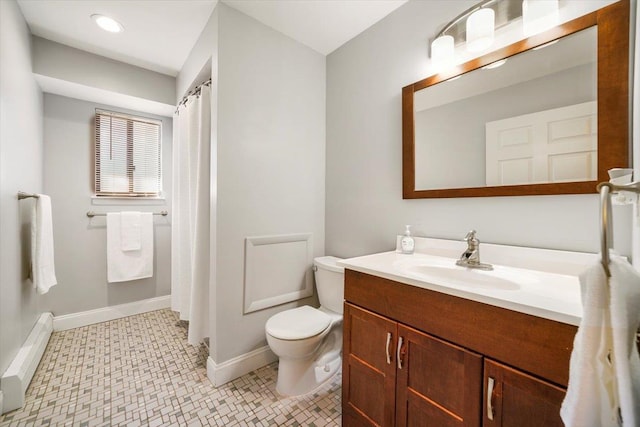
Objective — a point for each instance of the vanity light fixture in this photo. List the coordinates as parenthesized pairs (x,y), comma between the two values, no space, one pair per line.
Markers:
(474,28)
(539,16)
(480,29)
(107,24)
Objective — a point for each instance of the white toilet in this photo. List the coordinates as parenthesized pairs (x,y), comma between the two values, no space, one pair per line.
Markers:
(308,340)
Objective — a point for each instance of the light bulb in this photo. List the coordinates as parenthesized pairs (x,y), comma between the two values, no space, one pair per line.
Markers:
(539,16)
(480,28)
(443,53)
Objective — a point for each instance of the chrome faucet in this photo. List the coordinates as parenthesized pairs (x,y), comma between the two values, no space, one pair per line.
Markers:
(471,257)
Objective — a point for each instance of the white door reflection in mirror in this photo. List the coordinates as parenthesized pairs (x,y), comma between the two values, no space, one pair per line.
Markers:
(557,145)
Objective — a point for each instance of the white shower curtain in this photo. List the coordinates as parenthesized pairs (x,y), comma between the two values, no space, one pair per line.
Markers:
(190,227)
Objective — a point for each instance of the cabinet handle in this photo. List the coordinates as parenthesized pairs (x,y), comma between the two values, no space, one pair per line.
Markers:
(490,387)
(399,354)
(387,348)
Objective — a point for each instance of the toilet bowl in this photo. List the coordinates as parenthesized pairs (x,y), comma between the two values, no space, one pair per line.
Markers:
(308,340)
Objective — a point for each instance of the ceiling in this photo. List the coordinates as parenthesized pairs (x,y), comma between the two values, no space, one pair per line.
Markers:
(323,25)
(159,34)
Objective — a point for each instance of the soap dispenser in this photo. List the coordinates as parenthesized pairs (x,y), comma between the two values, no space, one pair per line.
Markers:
(407,244)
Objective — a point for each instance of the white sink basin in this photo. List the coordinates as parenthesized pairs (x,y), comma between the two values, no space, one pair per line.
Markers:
(465,277)
(446,272)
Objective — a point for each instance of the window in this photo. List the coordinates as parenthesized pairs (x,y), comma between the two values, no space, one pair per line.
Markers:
(127,155)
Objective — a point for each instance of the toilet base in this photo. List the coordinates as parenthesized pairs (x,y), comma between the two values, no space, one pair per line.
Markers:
(298,377)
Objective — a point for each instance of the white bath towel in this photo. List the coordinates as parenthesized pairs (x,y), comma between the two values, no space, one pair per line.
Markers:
(129,265)
(625,319)
(43,270)
(130,231)
(604,373)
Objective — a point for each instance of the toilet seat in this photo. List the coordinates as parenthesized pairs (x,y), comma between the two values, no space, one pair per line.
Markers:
(298,323)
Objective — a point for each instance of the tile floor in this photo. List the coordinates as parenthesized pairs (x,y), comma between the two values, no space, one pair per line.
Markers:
(140,371)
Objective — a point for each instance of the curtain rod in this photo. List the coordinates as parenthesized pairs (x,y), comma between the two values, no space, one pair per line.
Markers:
(195,91)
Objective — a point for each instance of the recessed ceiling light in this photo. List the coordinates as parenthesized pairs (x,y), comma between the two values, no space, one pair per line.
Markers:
(494,64)
(107,24)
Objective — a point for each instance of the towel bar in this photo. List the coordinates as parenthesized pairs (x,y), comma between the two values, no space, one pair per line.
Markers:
(605,189)
(91,214)
(23,195)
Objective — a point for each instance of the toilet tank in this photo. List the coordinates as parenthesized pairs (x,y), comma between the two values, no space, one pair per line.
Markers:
(329,282)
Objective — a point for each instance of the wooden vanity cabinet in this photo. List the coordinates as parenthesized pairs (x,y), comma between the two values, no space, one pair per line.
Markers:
(415,357)
(368,354)
(437,383)
(513,398)
(399,376)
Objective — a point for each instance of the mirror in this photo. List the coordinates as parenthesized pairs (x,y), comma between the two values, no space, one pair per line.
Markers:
(551,120)
(553,87)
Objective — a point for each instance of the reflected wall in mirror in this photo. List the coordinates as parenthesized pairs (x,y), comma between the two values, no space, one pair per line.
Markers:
(530,126)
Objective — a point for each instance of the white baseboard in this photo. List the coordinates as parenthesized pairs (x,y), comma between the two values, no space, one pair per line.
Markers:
(1,402)
(221,373)
(16,378)
(85,318)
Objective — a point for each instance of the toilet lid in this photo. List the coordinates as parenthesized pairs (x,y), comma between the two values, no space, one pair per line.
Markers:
(297,323)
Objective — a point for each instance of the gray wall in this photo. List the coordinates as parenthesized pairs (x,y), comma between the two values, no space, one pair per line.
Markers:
(80,242)
(69,64)
(268,170)
(20,169)
(271,169)
(365,209)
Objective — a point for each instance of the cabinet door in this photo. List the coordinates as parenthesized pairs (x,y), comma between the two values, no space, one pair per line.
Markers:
(515,399)
(368,370)
(438,383)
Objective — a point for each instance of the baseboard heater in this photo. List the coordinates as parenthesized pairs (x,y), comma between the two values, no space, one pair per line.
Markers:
(16,378)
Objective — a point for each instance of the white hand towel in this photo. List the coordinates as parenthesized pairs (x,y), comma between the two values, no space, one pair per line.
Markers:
(130,231)
(604,372)
(129,265)
(625,320)
(43,270)
(587,403)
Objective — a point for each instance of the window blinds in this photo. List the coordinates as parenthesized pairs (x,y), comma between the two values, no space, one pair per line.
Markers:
(127,155)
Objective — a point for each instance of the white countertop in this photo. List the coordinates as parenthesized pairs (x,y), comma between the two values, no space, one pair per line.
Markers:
(547,294)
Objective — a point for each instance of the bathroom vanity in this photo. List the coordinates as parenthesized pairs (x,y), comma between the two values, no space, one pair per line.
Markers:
(424,348)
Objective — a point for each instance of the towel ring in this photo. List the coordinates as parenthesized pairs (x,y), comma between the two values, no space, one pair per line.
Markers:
(605,221)
(606,224)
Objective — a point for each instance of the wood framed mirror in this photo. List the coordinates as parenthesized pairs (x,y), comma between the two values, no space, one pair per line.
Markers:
(604,123)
